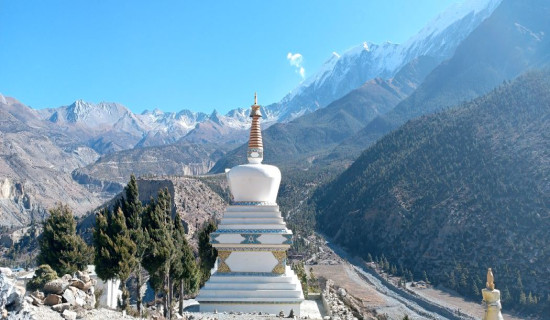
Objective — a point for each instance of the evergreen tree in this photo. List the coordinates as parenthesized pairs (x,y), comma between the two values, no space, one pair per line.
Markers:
(452,280)
(125,249)
(207,253)
(519,283)
(530,298)
(425,275)
(463,282)
(133,212)
(115,250)
(183,267)
(60,247)
(369,258)
(160,247)
(522,298)
(105,259)
(475,289)
(506,296)
(410,277)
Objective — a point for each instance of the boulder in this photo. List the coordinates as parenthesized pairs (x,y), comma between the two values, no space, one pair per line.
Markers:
(6,271)
(36,301)
(67,277)
(61,307)
(11,295)
(69,297)
(69,315)
(80,302)
(53,299)
(84,276)
(90,301)
(77,283)
(342,292)
(38,294)
(56,286)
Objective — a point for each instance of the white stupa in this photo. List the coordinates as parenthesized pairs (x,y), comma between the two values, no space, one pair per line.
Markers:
(251,273)
(491,299)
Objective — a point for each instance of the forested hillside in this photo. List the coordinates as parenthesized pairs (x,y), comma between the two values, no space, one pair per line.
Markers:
(456,192)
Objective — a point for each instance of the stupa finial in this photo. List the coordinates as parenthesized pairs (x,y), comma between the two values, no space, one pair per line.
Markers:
(490,280)
(255,152)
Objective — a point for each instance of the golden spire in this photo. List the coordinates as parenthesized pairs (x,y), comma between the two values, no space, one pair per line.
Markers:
(490,280)
(255,145)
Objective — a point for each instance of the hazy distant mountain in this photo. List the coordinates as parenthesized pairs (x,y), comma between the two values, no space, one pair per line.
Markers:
(456,192)
(348,71)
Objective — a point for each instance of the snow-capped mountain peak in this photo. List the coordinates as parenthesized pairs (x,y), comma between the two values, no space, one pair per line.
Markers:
(342,73)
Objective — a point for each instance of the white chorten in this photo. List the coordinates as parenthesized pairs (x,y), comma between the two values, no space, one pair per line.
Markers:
(251,273)
(491,299)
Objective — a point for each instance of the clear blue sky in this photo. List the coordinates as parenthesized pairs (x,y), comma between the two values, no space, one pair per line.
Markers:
(172,55)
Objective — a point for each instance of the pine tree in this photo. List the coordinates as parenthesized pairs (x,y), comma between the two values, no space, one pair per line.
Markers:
(183,267)
(452,280)
(106,258)
(159,249)
(369,258)
(519,283)
(506,296)
(133,212)
(475,289)
(126,249)
(60,247)
(463,281)
(530,298)
(115,251)
(393,270)
(522,298)
(425,275)
(410,277)
(207,253)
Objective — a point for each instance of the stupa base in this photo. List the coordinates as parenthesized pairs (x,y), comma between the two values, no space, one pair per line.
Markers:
(249,293)
(251,307)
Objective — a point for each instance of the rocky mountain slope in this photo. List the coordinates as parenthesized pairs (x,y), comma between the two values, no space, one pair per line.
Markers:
(34,171)
(511,41)
(456,192)
(111,172)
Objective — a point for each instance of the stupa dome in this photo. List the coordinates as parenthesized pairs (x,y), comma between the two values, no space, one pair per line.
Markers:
(254,183)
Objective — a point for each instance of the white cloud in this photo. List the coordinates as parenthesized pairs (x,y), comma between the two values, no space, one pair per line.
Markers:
(296,61)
